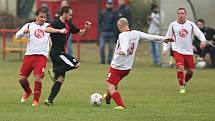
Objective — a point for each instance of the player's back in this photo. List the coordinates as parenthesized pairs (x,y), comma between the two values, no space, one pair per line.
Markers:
(127,42)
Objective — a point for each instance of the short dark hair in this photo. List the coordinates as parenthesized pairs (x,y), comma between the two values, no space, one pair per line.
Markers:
(64,9)
(41,10)
(182,9)
(201,20)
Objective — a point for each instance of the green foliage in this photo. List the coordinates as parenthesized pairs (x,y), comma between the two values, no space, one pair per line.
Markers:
(150,93)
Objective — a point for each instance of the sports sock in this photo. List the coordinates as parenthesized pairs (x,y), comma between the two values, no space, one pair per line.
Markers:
(37,90)
(54,91)
(25,85)
(180,76)
(108,98)
(117,98)
(188,76)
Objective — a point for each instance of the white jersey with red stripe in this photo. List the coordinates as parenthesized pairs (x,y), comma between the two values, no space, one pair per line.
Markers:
(183,36)
(127,43)
(38,39)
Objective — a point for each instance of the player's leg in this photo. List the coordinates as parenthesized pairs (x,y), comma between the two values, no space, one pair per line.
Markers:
(55,89)
(179,59)
(189,65)
(25,71)
(113,79)
(39,67)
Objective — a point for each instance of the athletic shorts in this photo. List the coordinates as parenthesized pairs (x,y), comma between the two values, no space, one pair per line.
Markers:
(186,60)
(35,63)
(62,62)
(115,75)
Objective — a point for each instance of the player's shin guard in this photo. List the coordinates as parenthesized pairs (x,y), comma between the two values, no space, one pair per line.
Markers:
(25,85)
(188,76)
(37,90)
(117,98)
(54,91)
(180,76)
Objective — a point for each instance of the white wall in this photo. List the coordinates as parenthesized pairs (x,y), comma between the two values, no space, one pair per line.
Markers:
(11,6)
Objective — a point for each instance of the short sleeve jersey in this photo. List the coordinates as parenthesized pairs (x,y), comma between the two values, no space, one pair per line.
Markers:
(59,41)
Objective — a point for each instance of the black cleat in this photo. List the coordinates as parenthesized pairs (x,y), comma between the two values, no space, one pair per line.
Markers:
(48,103)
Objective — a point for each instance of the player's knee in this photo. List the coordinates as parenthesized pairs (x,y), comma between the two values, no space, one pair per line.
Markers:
(22,78)
(180,67)
(60,79)
(77,65)
(38,79)
(110,88)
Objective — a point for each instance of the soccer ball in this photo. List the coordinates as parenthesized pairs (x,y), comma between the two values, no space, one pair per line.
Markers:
(96,99)
(201,64)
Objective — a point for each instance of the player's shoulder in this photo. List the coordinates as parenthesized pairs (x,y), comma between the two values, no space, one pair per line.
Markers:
(173,23)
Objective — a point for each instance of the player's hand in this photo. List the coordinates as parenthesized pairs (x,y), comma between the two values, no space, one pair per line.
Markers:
(63,31)
(203,44)
(121,53)
(164,53)
(87,24)
(166,40)
(26,31)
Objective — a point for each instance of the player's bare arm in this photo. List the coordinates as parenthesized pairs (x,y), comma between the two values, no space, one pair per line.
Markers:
(52,30)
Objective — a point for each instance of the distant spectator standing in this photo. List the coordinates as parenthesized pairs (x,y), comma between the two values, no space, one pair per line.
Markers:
(106,30)
(123,11)
(48,17)
(154,28)
(210,37)
(57,16)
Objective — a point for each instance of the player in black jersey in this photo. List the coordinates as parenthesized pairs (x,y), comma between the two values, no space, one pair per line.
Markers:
(62,61)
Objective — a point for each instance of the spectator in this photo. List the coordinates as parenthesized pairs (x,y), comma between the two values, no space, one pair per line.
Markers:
(154,28)
(123,11)
(210,37)
(106,30)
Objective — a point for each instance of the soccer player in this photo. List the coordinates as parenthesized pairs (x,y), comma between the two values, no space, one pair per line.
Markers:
(36,54)
(62,61)
(123,58)
(182,30)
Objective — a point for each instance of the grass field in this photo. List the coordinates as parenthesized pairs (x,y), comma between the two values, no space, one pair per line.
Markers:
(150,93)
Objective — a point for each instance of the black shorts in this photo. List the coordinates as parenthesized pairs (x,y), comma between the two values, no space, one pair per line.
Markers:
(62,63)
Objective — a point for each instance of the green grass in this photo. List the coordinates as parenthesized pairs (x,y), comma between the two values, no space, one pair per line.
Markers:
(150,93)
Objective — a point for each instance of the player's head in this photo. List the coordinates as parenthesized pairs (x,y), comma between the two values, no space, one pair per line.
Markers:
(41,15)
(122,24)
(201,23)
(181,15)
(109,4)
(66,12)
(121,2)
(64,3)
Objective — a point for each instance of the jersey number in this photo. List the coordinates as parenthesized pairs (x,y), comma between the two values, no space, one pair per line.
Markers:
(131,48)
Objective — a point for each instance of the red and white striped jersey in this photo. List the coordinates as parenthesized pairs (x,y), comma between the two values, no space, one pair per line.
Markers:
(183,36)
(128,42)
(38,39)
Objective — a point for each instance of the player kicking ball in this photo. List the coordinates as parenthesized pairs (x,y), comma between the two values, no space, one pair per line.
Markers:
(123,58)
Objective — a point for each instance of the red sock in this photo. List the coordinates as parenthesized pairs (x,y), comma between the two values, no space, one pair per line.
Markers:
(25,85)
(188,76)
(37,90)
(180,75)
(117,98)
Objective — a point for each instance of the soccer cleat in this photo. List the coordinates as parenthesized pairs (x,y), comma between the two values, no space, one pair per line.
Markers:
(119,108)
(182,90)
(48,103)
(25,97)
(35,103)
(52,75)
(107,98)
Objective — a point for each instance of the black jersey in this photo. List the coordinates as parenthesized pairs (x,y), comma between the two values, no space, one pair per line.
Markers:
(59,41)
